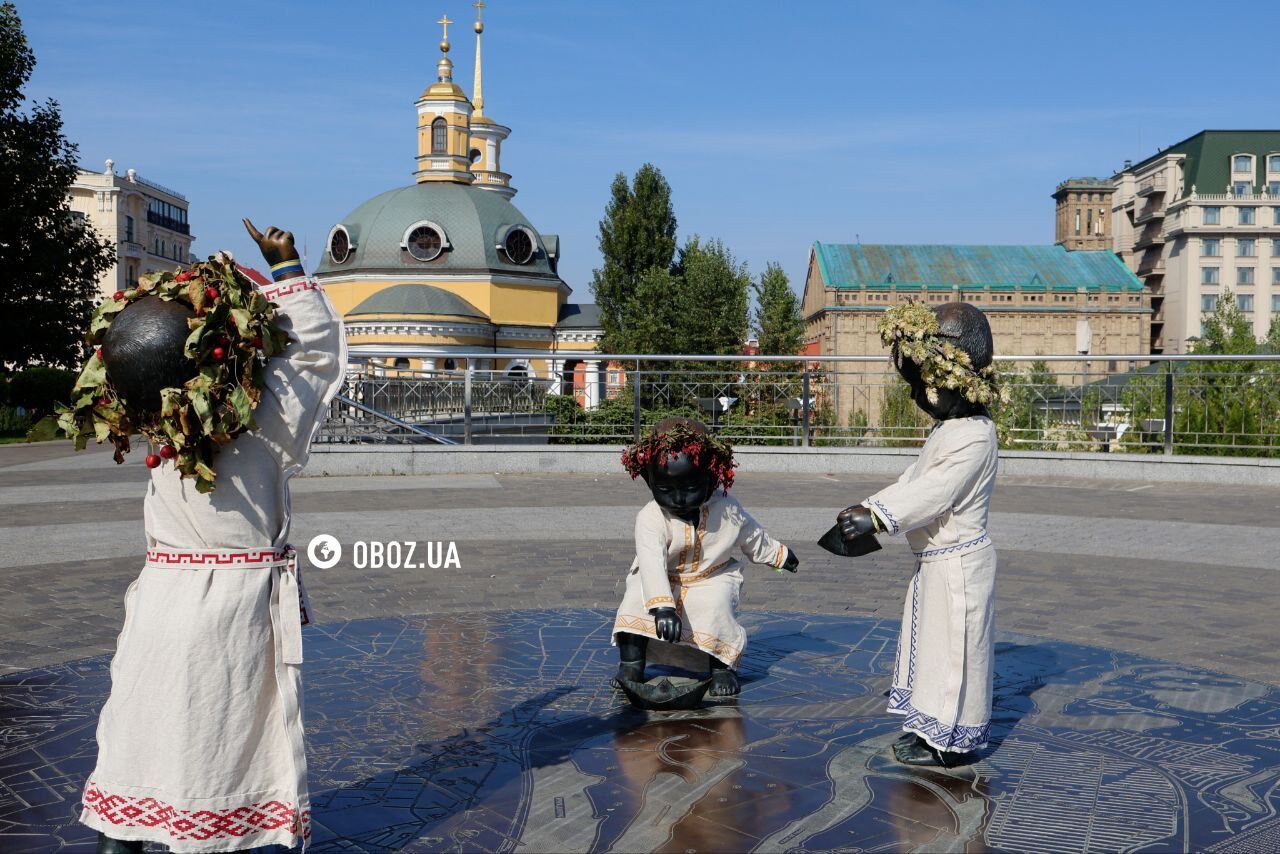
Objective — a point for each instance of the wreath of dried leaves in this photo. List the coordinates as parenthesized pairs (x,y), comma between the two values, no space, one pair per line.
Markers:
(912,331)
(233,334)
(707,451)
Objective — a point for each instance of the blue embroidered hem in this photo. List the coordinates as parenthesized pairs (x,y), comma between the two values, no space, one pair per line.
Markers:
(894,526)
(946,550)
(958,738)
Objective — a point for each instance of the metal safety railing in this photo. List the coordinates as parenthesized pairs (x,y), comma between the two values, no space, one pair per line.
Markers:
(1215,405)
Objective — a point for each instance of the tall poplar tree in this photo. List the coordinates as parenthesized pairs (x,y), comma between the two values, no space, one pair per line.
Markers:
(714,299)
(778,323)
(637,234)
(50,258)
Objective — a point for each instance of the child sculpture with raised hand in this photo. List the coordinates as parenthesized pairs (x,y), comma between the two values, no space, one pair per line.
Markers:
(683,586)
(200,743)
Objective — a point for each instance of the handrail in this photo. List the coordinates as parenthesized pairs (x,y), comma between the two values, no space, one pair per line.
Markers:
(807,401)
(588,356)
(161,187)
(404,425)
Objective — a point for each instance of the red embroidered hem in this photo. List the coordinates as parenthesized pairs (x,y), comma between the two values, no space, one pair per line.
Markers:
(197,825)
(295,286)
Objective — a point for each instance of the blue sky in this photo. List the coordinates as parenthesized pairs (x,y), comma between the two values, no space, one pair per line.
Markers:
(777,124)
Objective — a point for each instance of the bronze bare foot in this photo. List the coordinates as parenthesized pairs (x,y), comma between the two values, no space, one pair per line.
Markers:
(916,751)
(724,683)
(632,671)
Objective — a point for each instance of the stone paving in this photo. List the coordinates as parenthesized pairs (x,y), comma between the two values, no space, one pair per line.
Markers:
(1137,667)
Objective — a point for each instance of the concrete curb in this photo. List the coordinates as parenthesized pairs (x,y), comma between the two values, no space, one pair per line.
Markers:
(348,460)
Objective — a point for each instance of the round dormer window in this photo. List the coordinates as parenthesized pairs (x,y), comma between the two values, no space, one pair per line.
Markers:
(519,245)
(424,241)
(339,245)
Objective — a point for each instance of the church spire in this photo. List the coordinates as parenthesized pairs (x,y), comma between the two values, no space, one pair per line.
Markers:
(444,124)
(477,95)
(445,66)
(487,135)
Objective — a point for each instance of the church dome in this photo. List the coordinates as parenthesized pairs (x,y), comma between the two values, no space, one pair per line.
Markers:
(434,227)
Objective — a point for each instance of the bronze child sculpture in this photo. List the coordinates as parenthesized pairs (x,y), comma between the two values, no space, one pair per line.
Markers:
(683,586)
(943,677)
(200,743)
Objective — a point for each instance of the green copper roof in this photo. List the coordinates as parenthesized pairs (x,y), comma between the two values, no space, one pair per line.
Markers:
(474,222)
(416,300)
(938,267)
(1208,158)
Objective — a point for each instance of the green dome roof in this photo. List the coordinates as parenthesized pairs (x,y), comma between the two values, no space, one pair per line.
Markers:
(474,221)
(416,299)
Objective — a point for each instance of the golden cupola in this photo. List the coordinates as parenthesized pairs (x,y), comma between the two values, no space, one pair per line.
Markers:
(487,135)
(444,124)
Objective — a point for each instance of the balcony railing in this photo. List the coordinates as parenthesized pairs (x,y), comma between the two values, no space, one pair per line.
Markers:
(168,222)
(161,187)
(1149,213)
(1261,196)
(1224,405)
(1148,186)
(1150,236)
(1153,267)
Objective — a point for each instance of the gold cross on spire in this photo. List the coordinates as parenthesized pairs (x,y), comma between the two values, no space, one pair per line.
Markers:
(445,22)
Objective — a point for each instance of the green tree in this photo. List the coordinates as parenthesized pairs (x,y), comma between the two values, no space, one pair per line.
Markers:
(714,302)
(654,311)
(778,323)
(902,424)
(637,234)
(1033,400)
(50,258)
(1226,330)
(1221,407)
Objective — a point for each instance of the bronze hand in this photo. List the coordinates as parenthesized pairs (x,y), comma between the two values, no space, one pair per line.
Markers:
(276,244)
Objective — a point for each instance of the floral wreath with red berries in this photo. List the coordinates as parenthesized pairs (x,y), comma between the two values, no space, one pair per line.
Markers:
(233,334)
(707,452)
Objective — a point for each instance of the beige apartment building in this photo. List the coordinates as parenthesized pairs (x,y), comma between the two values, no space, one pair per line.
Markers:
(1041,300)
(1083,208)
(1198,217)
(147,223)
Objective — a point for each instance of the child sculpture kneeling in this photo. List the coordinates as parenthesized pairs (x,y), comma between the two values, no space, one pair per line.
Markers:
(683,587)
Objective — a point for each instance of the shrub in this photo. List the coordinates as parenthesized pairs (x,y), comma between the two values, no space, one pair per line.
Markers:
(38,389)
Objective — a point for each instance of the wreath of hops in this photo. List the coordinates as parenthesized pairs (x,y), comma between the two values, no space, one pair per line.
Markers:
(233,334)
(707,452)
(911,329)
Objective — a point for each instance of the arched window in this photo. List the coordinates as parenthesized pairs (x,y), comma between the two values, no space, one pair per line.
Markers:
(439,137)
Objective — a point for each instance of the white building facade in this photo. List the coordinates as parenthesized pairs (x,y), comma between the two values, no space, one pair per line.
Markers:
(1197,218)
(145,221)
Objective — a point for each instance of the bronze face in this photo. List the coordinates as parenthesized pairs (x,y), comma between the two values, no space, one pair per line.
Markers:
(679,486)
(968,329)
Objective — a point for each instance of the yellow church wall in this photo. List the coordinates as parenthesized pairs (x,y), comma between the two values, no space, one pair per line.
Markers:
(347,295)
(531,306)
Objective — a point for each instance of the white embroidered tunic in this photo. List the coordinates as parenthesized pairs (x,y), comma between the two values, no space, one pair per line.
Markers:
(697,571)
(943,677)
(200,743)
